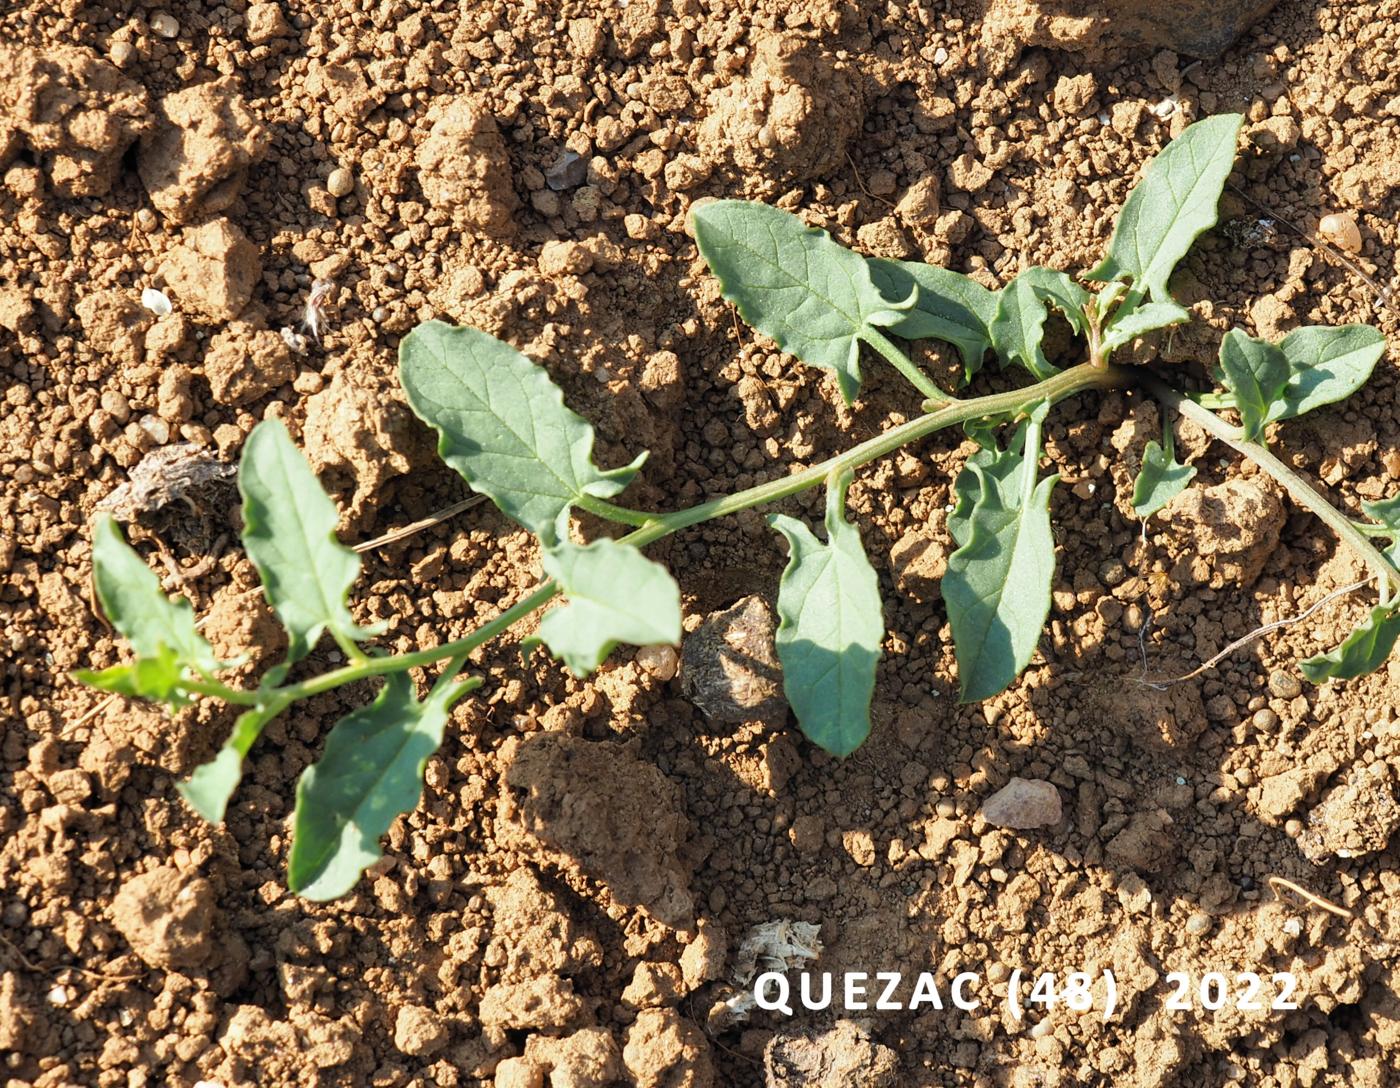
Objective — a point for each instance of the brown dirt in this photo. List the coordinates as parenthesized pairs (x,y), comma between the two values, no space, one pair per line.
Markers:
(536,923)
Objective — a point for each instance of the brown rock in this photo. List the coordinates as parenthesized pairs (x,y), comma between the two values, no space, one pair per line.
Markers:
(729,667)
(463,167)
(166,916)
(76,112)
(1357,817)
(546,1002)
(1234,526)
(653,986)
(1023,803)
(1146,844)
(214,270)
(845,1056)
(790,119)
(520,1073)
(918,562)
(1198,28)
(663,1050)
(245,362)
(115,323)
(533,932)
(419,1032)
(195,160)
(703,959)
(586,1059)
(595,806)
(264,23)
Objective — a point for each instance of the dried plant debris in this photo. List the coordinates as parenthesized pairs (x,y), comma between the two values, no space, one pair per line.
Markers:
(180,490)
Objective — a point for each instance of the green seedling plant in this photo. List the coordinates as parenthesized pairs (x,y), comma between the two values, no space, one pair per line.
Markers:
(503,425)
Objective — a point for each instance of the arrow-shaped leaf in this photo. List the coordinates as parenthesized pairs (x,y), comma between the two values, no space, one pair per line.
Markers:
(1256,372)
(997,587)
(503,425)
(1161,478)
(1134,323)
(830,628)
(1362,651)
(371,772)
(289,527)
(948,306)
(1019,324)
(613,594)
(793,283)
(1172,205)
(161,631)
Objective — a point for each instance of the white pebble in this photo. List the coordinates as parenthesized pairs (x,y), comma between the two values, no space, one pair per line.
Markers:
(158,302)
(165,24)
(341,182)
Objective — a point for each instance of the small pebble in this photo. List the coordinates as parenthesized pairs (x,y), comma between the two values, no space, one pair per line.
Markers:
(121,53)
(1023,803)
(156,429)
(1284,685)
(165,24)
(1198,925)
(1341,230)
(341,182)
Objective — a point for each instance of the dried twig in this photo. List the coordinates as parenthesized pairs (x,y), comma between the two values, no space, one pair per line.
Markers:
(395,535)
(1257,633)
(1277,882)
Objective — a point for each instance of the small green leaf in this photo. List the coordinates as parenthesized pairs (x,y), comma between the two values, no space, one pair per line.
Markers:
(793,283)
(1173,204)
(1019,324)
(948,306)
(1161,479)
(1326,364)
(133,600)
(209,788)
(371,773)
(1256,372)
(289,531)
(1134,323)
(503,425)
(997,587)
(830,628)
(614,594)
(1362,651)
(155,678)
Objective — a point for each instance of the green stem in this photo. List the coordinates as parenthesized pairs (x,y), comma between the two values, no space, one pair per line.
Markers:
(901,362)
(1072,381)
(620,514)
(1302,492)
(238,696)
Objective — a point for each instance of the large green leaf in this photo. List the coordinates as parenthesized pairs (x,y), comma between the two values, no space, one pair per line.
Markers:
(161,631)
(371,773)
(1325,364)
(503,425)
(1019,324)
(613,594)
(1256,372)
(948,306)
(997,587)
(1173,204)
(830,627)
(793,283)
(211,785)
(1362,651)
(289,531)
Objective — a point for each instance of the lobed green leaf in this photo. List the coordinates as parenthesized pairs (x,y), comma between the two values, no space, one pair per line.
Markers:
(1161,479)
(997,587)
(793,283)
(947,306)
(289,526)
(613,594)
(830,627)
(1256,372)
(1362,651)
(1326,364)
(371,773)
(1018,326)
(503,425)
(1128,326)
(1175,202)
